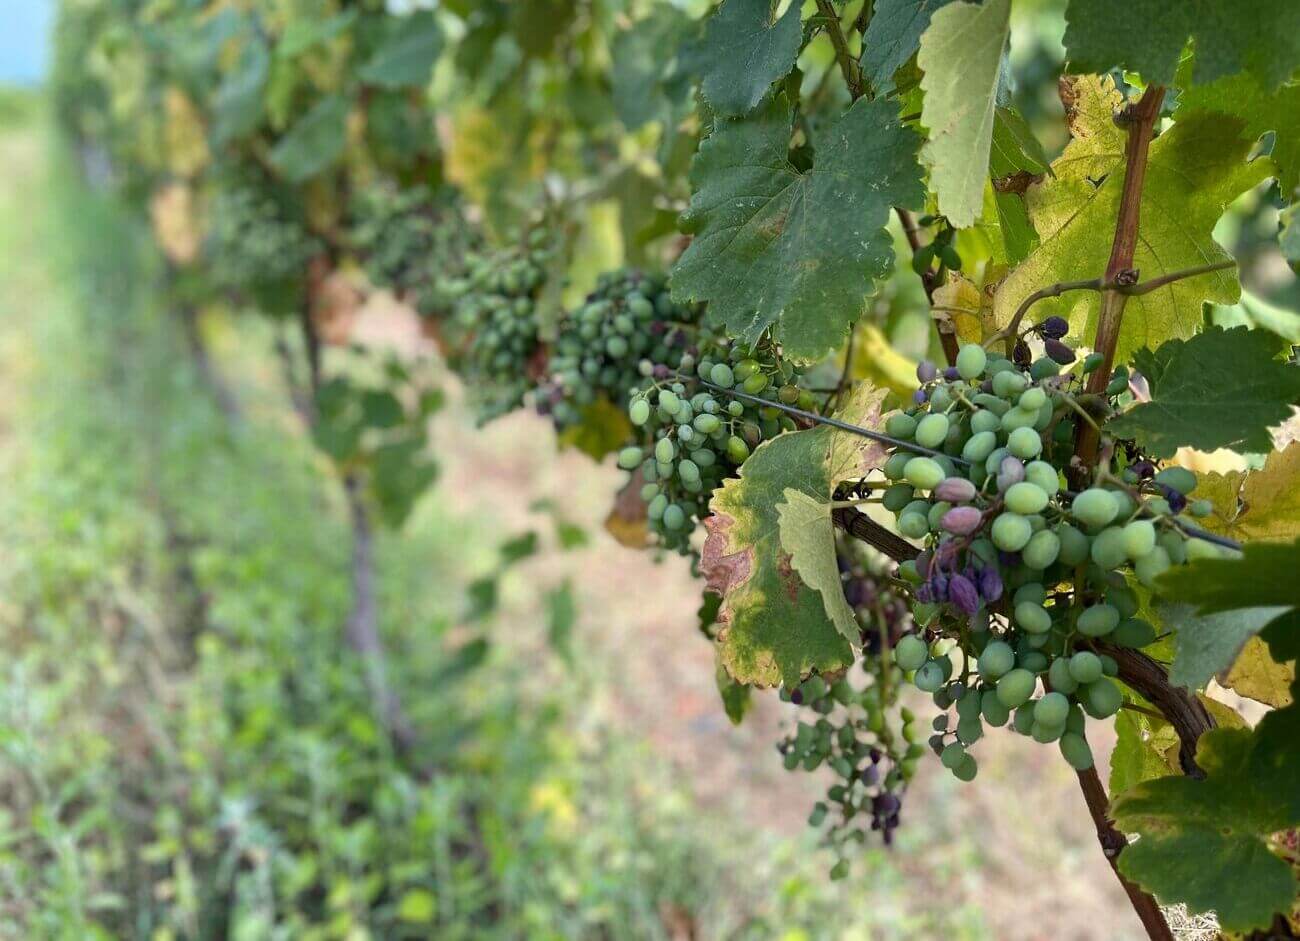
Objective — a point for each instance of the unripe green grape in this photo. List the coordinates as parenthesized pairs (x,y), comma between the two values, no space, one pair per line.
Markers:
(1179,478)
(992,709)
(911,652)
(1059,675)
(1015,687)
(639,412)
(1025,498)
(1124,600)
(929,676)
(924,473)
(970,731)
(1024,443)
(1076,721)
(1175,545)
(1108,548)
(1011,532)
(1098,620)
(1008,384)
(1018,418)
(897,496)
(629,458)
(1075,750)
(966,771)
(1200,508)
(665,451)
(1043,476)
(900,425)
(704,458)
(1135,633)
(1151,566)
(984,420)
(952,755)
(1033,618)
(935,515)
(737,449)
(1139,538)
(656,508)
(1044,368)
(669,402)
(992,403)
(687,470)
(1202,549)
(996,659)
(1034,661)
(1032,399)
(674,517)
(1045,734)
(735,409)
(971,360)
(1094,508)
(1052,710)
(1042,549)
(931,430)
(994,461)
(1109,665)
(1023,722)
(896,466)
(1033,592)
(909,572)
(706,424)
(1101,699)
(649,492)
(913,525)
(1085,667)
(1156,506)
(979,446)
(756,383)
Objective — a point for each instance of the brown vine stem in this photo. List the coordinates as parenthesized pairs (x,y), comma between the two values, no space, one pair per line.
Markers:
(1140,120)
(1112,843)
(848,64)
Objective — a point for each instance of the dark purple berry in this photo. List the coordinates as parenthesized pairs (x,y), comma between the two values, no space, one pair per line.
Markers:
(1144,470)
(951,374)
(919,396)
(1054,328)
(796,697)
(962,593)
(1058,352)
(926,371)
(990,584)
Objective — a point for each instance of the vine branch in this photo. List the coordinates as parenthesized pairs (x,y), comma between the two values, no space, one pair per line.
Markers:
(930,282)
(848,64)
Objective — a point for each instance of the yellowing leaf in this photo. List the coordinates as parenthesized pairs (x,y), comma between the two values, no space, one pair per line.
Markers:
(803,523)
(1195,169)
(1256,675)
(875,359)
(969,308)
(1259,505)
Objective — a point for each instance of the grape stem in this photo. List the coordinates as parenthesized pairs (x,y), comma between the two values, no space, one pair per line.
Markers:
(1116,285)
(848,64)
(929,281)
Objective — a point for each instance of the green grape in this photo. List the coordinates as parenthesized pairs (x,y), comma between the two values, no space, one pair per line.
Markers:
(897,497)
(1034,618)
(1024,443)
(1060,676)
(1098,620)
(1075,750)
(1094,508)
(1025,498)
(971,360)
(630,458)
(1108,548)
(1152,565)
(1074,545)
(1011,532)
(1135,633)
(1043,476)
(1015,687)
(1101,699)
(967,770)
(978,446)
(929,677)
(1032,399)
(995,713)
(1179,478)
(931,430)
(924,473)
(1042,549)
(721,375)
(1139,538)
(900,425)
(639,412)
(911,652)
(1085,667)
(894,468)
(1052,710)
(674,517)
(953,755)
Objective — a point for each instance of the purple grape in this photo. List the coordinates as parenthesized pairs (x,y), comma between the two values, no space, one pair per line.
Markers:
(990,584)
(1054,328)
(939,586)
(962,520)
(1177,502)
(1010,471)
(1144,470)
(951,374)
(926,371)
(919,396)
(1058,352)
(869,775)
(955,490)
(962,593)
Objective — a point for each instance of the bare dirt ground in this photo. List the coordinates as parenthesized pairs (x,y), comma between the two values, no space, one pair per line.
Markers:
(1017,844)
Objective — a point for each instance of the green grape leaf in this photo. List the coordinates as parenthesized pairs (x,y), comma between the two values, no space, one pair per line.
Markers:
(1242,97)
(1289,238)
(773,245)
(400,474)
(1194,170)
(747,49)
(240,100)
(1204,842)
(1204,644)
(893,36)
(803,524)
(1148,36)
(736,698)
(315,142)
(961,53)
(1264,574)
(1141,744)
(405,57)
(1259,505)
(1015,149)
(1220,389)
(304,32)
(774,627)
(538,24)
(561,616)
(647,82)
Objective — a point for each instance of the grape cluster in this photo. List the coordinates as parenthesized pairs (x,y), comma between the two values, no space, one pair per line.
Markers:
(1022,582)
(257,243)
(497,307)
(413,242)
(697,439)
(629,319)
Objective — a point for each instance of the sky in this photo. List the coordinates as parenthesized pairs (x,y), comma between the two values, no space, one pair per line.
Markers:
(24,40)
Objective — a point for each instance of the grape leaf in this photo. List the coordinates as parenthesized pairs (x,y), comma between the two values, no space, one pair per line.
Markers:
(804,523)
(1204,644)
(893,36)
(1148,36)
(405,58)
(1194,170)
(1220,389)
(1289,238)
(747,50)
(1241,96)
(1204,842)
(646,81)
(1141,744)
(1264,574)
(736,698)
(315,142)
(1014,147)
(960,53)
(1256,675)
(239,102)
(1260,505)
(773,626)
(798,249)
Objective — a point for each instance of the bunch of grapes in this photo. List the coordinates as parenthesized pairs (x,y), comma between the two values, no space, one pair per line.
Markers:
(257,243)
(1027,582)
(497,308)
(696,439)
(413,242)
(628,319)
